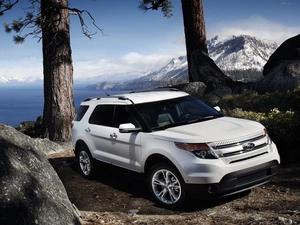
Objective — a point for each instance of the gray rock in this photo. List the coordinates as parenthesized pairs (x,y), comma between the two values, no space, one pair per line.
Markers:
(213,98)
(288,50)
(196,89)
(30,190)
(284,77)
(282,71)
(42,145)
(285,220)
(27,127)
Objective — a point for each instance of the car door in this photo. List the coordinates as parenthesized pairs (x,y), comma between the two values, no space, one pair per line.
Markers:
(122,149)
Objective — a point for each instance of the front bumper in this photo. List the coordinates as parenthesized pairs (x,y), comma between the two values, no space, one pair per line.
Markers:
(235,182)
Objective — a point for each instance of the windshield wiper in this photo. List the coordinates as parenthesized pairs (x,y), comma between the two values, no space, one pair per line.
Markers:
(203,119)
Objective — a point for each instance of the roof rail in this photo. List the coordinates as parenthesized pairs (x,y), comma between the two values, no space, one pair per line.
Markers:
(90,98)
(156,89)
(120,97)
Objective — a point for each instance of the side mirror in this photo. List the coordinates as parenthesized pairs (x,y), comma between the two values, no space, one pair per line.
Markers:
(128,128)
(217,108)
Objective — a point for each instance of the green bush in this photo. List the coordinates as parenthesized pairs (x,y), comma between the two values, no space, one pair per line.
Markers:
(278,112)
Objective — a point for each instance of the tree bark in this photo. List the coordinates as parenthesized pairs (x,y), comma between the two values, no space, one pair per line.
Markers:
(194,28)
(59,107)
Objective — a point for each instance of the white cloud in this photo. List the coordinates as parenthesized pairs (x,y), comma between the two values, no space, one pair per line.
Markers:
(145,62)
(286,3)
(256,26)
(131,62)
(25,67)
(83,68)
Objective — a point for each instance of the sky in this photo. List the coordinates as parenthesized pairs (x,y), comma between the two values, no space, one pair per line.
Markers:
(138,41)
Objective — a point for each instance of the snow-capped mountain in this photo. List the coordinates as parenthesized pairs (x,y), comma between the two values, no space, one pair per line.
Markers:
(240,52)
(176,70)
(230,53)
(20,80)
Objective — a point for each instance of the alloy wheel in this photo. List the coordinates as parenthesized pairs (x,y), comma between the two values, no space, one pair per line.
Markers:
(85,163)
(166,186)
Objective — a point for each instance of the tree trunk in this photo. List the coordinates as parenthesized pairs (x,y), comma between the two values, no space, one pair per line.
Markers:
(59,107)
(194,28)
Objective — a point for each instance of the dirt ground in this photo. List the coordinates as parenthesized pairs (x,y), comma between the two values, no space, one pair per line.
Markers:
(114,197)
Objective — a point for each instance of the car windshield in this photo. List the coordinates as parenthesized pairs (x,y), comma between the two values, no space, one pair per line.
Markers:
(175,112)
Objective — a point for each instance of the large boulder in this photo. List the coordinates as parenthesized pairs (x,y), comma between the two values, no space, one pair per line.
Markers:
(282,71)
(31,191)
(289,50)
(196,89)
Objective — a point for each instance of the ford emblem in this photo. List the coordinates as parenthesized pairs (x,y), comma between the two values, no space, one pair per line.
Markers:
(248,146)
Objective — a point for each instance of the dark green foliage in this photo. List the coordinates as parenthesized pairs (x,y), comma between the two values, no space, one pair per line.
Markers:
(278,112)
(250,75)
(30,21)
(165,5)
(252,101)
(19,39)
(6,5)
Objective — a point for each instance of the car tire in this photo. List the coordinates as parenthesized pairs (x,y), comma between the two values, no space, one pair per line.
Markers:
(166,186)
(86,162)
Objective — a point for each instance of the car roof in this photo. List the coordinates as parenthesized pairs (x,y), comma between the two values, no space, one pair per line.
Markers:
(138,97)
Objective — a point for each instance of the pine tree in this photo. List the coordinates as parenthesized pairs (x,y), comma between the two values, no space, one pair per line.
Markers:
(49,21)
(59,109)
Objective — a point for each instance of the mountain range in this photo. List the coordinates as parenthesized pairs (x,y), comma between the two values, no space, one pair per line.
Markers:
(240,57)
(242,52)
(235,55)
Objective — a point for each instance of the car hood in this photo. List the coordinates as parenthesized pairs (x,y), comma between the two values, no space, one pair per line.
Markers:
(222,128)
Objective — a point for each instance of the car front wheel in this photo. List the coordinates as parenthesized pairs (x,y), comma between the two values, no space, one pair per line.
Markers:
(166,186)
(86,162)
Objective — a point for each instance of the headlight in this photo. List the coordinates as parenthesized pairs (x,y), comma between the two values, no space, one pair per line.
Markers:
(267,135)
(201,150)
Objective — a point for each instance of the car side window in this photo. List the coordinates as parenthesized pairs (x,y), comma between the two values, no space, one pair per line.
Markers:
(102,115)
(80,113)
(124,114)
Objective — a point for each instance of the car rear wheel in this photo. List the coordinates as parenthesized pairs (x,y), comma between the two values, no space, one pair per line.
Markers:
(166,186)
(86,162)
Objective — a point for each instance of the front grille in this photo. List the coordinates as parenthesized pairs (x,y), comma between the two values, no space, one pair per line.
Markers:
(243,151)
(246,179)
(235,142)
(236,150)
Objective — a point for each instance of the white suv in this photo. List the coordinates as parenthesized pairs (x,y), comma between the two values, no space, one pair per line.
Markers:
(183,146)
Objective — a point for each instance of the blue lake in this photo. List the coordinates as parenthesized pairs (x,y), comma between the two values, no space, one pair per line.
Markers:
(20,103)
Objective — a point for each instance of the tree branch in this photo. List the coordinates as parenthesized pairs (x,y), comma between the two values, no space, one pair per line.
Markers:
(165,5)
(84,27)
(7,6)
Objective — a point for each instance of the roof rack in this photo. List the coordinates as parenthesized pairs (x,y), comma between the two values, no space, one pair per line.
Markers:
(98,98)
(90,98)
(156,89)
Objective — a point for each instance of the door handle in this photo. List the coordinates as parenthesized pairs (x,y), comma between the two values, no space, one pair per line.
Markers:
(88,129)
(113,135)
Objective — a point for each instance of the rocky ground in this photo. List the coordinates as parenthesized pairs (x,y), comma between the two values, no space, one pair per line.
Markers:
(114,197)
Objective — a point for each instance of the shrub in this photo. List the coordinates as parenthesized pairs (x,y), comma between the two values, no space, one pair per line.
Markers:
(278,112)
